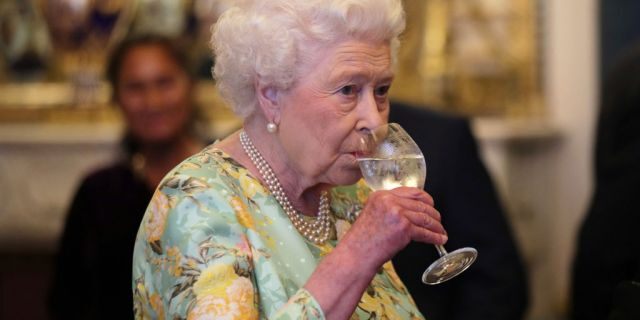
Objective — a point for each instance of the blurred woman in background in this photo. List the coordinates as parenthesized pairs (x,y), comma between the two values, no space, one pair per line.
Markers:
(262,224)
(154,90)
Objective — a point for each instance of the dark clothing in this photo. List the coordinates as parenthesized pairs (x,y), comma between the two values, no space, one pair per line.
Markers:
(495,286)
(625,300)
(93,267)
(608,248)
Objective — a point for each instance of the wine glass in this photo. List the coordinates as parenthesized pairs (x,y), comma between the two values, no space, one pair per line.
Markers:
(389,159)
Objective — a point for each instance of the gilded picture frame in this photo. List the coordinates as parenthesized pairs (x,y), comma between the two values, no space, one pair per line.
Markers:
(477,58)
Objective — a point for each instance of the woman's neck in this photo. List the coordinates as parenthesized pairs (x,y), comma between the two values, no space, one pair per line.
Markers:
(159,159)
(303,195)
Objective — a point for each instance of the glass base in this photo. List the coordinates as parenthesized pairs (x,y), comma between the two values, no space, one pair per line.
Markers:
(449,265)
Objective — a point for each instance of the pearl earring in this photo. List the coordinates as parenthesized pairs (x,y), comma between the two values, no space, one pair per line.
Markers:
(272,127)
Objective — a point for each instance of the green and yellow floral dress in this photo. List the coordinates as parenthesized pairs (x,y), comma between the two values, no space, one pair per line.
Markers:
(215,244)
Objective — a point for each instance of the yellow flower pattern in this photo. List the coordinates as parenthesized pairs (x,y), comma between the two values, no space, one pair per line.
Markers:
(214,281)
(211,307)
(156,304)
(242,214)
(156,219)
(174,261)
(249,185)
(214,244)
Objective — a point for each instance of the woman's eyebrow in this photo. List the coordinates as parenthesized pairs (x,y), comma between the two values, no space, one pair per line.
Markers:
(350,75)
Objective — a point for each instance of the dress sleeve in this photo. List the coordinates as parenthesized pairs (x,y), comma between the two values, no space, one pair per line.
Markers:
(193,258)
(300,306)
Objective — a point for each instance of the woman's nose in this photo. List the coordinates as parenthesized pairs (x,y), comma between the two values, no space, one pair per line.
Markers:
(371,114)
(153,98)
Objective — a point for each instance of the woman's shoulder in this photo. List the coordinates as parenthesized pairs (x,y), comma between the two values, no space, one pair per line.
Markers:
(210,182)
(211,158)
(210,167)
(108,182)
(203,193)
(203,187)
(116,171)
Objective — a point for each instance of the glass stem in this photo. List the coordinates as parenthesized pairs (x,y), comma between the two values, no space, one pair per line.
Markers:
(441,250)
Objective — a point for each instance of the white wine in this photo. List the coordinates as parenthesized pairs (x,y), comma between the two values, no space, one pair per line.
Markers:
(386,174)
(394,160)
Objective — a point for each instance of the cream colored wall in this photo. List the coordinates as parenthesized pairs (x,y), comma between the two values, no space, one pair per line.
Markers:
(40,168)
(543,171)
(572,92)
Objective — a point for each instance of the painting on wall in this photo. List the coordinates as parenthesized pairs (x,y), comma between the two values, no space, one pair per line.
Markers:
(53,52)
(478,58)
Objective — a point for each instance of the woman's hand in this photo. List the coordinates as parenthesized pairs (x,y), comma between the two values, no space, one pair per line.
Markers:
(389,221)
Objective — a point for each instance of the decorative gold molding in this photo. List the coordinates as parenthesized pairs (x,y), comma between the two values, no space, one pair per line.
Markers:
(53,102)
(472,57)
(479,58)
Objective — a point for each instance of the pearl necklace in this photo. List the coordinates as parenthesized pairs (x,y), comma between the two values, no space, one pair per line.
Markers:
(317,231)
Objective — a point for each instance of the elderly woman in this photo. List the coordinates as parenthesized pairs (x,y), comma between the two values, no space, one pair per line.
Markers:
(261,224)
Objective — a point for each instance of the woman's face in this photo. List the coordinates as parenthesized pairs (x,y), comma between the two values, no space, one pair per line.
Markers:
(154,94)
(343,92)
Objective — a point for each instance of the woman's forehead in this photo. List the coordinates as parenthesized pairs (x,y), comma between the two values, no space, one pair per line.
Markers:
(351,59)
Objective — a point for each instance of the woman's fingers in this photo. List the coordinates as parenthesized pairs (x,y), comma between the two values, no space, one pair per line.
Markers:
(426,228)
(425,220)
(390,220)
(428,236)
(414,193)
(419,206)
(414,206)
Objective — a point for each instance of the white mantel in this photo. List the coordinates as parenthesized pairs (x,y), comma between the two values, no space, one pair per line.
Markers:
(41,165)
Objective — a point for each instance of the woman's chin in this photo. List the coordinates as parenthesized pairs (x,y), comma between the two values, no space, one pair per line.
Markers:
(157,140)
(350,177)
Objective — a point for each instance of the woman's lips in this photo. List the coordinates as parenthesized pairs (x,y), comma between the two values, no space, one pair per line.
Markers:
(360,154)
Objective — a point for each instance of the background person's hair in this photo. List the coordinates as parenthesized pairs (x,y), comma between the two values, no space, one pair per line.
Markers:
(268,41)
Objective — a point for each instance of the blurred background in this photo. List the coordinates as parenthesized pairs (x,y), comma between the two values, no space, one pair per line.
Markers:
(528,72)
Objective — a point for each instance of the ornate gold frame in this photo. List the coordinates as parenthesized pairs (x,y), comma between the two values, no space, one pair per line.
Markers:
(472,57)
(52,102)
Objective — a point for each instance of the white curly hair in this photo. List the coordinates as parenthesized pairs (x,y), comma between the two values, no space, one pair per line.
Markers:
(268,40)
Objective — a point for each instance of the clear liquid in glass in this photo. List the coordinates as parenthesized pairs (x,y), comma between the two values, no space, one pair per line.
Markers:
(387,174)
(390,159)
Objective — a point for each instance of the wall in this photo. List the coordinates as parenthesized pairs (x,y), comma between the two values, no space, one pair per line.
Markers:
(543,170)
(572,91)
(40,166)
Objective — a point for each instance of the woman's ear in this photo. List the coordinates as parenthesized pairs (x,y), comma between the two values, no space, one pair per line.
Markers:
(269,102)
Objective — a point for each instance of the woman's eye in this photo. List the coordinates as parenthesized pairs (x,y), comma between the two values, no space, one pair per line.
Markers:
(348,90)
(166,82)
(382,91)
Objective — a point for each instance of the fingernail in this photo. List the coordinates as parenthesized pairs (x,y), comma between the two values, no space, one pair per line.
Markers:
(444,238)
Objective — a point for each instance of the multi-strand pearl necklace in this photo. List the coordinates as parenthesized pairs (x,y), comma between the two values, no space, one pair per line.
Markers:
(317,231)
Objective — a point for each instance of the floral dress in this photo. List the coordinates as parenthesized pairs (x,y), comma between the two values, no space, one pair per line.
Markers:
(215,244)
